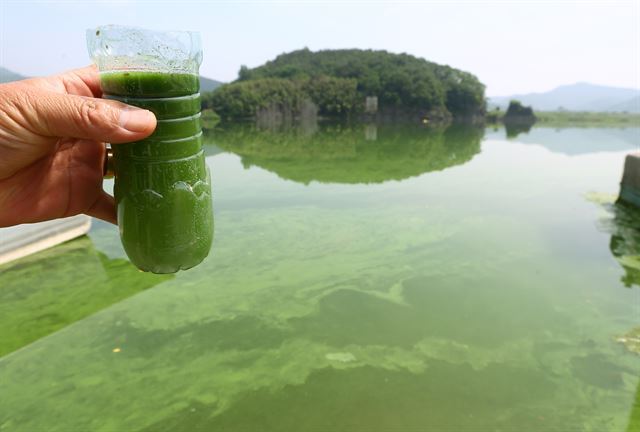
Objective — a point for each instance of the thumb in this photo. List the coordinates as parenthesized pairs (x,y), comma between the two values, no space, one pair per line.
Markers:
(62,115)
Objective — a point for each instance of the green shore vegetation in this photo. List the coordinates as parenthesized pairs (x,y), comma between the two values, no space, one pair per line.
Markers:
(588,119)
(562,118)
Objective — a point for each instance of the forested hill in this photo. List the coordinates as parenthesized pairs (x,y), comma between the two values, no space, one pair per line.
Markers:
(338,81)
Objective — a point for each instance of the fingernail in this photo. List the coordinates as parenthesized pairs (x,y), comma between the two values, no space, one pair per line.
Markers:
(136,119)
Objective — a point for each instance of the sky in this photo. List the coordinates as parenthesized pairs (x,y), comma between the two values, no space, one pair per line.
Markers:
(511,46)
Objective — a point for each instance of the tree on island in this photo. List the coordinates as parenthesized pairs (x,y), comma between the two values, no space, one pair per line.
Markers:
(519,112)
(518,119)
(339,81)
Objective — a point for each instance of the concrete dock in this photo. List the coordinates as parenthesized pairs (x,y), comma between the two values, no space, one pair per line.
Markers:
(22,240)
(630,185)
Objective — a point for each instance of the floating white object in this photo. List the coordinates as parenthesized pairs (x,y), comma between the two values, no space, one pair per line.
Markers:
(22,240)
(630,186)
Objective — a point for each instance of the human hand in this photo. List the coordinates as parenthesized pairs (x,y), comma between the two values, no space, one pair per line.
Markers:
(52,146)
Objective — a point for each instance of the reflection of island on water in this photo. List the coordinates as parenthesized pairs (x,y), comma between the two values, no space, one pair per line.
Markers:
(47,291)
(514,129)
(351,153)
(625,241)
(625,246)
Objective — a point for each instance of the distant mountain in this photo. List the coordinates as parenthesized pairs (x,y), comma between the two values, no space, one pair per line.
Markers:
(7,76)
(632,105)
(208,84)
(577,97)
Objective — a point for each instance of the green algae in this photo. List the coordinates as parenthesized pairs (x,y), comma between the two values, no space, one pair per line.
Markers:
(204,348)
(47,291)
(631,340)
(413,305)
(622,221)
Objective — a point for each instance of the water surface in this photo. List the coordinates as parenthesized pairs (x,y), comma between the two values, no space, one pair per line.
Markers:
(362,278)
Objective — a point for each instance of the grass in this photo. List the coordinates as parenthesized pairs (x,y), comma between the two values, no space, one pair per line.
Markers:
(588,119)
(576,118)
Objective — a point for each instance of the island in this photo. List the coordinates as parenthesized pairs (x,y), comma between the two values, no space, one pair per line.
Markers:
(350,83)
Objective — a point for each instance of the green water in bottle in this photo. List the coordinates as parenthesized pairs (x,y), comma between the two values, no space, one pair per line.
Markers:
(162,184)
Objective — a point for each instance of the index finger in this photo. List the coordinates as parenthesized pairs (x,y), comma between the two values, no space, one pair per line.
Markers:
(88,76)
(80,82)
